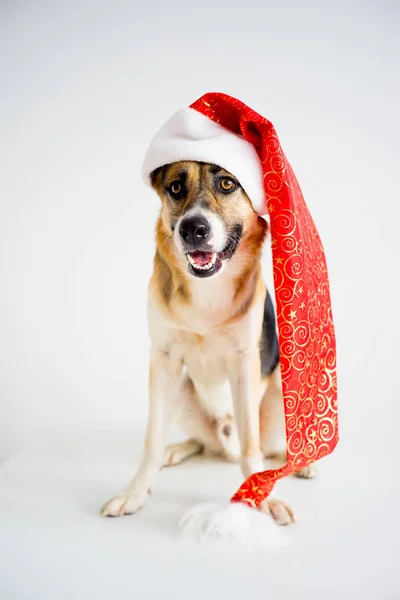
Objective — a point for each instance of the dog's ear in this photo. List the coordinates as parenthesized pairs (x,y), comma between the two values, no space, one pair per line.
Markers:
(156,177)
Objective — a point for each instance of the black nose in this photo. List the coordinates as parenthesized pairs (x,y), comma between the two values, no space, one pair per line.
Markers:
(194,230)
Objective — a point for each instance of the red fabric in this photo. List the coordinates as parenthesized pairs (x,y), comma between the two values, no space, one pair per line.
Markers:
(305,327)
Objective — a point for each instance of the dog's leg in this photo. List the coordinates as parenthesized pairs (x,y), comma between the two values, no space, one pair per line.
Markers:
(165,372)
(177,453)
(245,376)
(272,419)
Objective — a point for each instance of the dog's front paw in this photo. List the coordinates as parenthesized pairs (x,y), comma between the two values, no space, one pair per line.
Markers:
(124,503)
(279,511)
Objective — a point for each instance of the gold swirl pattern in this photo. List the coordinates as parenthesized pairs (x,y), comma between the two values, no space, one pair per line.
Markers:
(304,316)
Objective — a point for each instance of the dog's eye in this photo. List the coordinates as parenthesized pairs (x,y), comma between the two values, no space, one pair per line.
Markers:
(175,189)
(227,185)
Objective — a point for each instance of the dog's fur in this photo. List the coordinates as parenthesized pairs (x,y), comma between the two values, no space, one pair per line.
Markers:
(215,359)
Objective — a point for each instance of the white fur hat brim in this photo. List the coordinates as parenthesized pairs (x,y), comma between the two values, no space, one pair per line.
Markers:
(190,135)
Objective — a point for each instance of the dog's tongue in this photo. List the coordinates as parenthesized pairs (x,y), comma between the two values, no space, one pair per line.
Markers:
(201,258)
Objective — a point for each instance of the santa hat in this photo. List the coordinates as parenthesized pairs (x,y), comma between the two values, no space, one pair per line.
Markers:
(221,130)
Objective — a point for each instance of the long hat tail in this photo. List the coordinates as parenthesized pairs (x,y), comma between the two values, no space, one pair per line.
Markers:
(304,317)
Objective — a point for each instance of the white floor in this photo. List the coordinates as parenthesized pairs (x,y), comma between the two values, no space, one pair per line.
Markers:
(54,545)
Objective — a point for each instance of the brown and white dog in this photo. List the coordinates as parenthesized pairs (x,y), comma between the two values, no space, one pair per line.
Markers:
(215,358)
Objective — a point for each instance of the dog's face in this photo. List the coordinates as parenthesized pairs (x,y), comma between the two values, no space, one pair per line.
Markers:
(205,211)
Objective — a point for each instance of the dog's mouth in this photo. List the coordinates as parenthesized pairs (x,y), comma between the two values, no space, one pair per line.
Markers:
(205,264)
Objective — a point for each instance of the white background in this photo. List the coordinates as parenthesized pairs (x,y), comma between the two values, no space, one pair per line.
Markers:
(84,86)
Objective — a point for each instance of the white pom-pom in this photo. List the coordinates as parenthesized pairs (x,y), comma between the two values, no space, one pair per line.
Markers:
(234,522)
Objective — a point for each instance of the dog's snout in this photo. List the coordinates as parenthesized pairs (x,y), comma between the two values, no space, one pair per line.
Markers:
(194,230)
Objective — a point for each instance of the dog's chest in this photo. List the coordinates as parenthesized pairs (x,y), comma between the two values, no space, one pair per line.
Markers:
(206,359)
(211,304)
(206,356)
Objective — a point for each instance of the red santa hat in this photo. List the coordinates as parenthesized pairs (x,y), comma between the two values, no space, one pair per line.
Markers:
(221,130)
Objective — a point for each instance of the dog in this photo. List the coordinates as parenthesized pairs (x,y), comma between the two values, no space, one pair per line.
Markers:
(215,357)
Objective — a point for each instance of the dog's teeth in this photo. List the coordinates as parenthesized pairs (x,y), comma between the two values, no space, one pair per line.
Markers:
(203,267)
